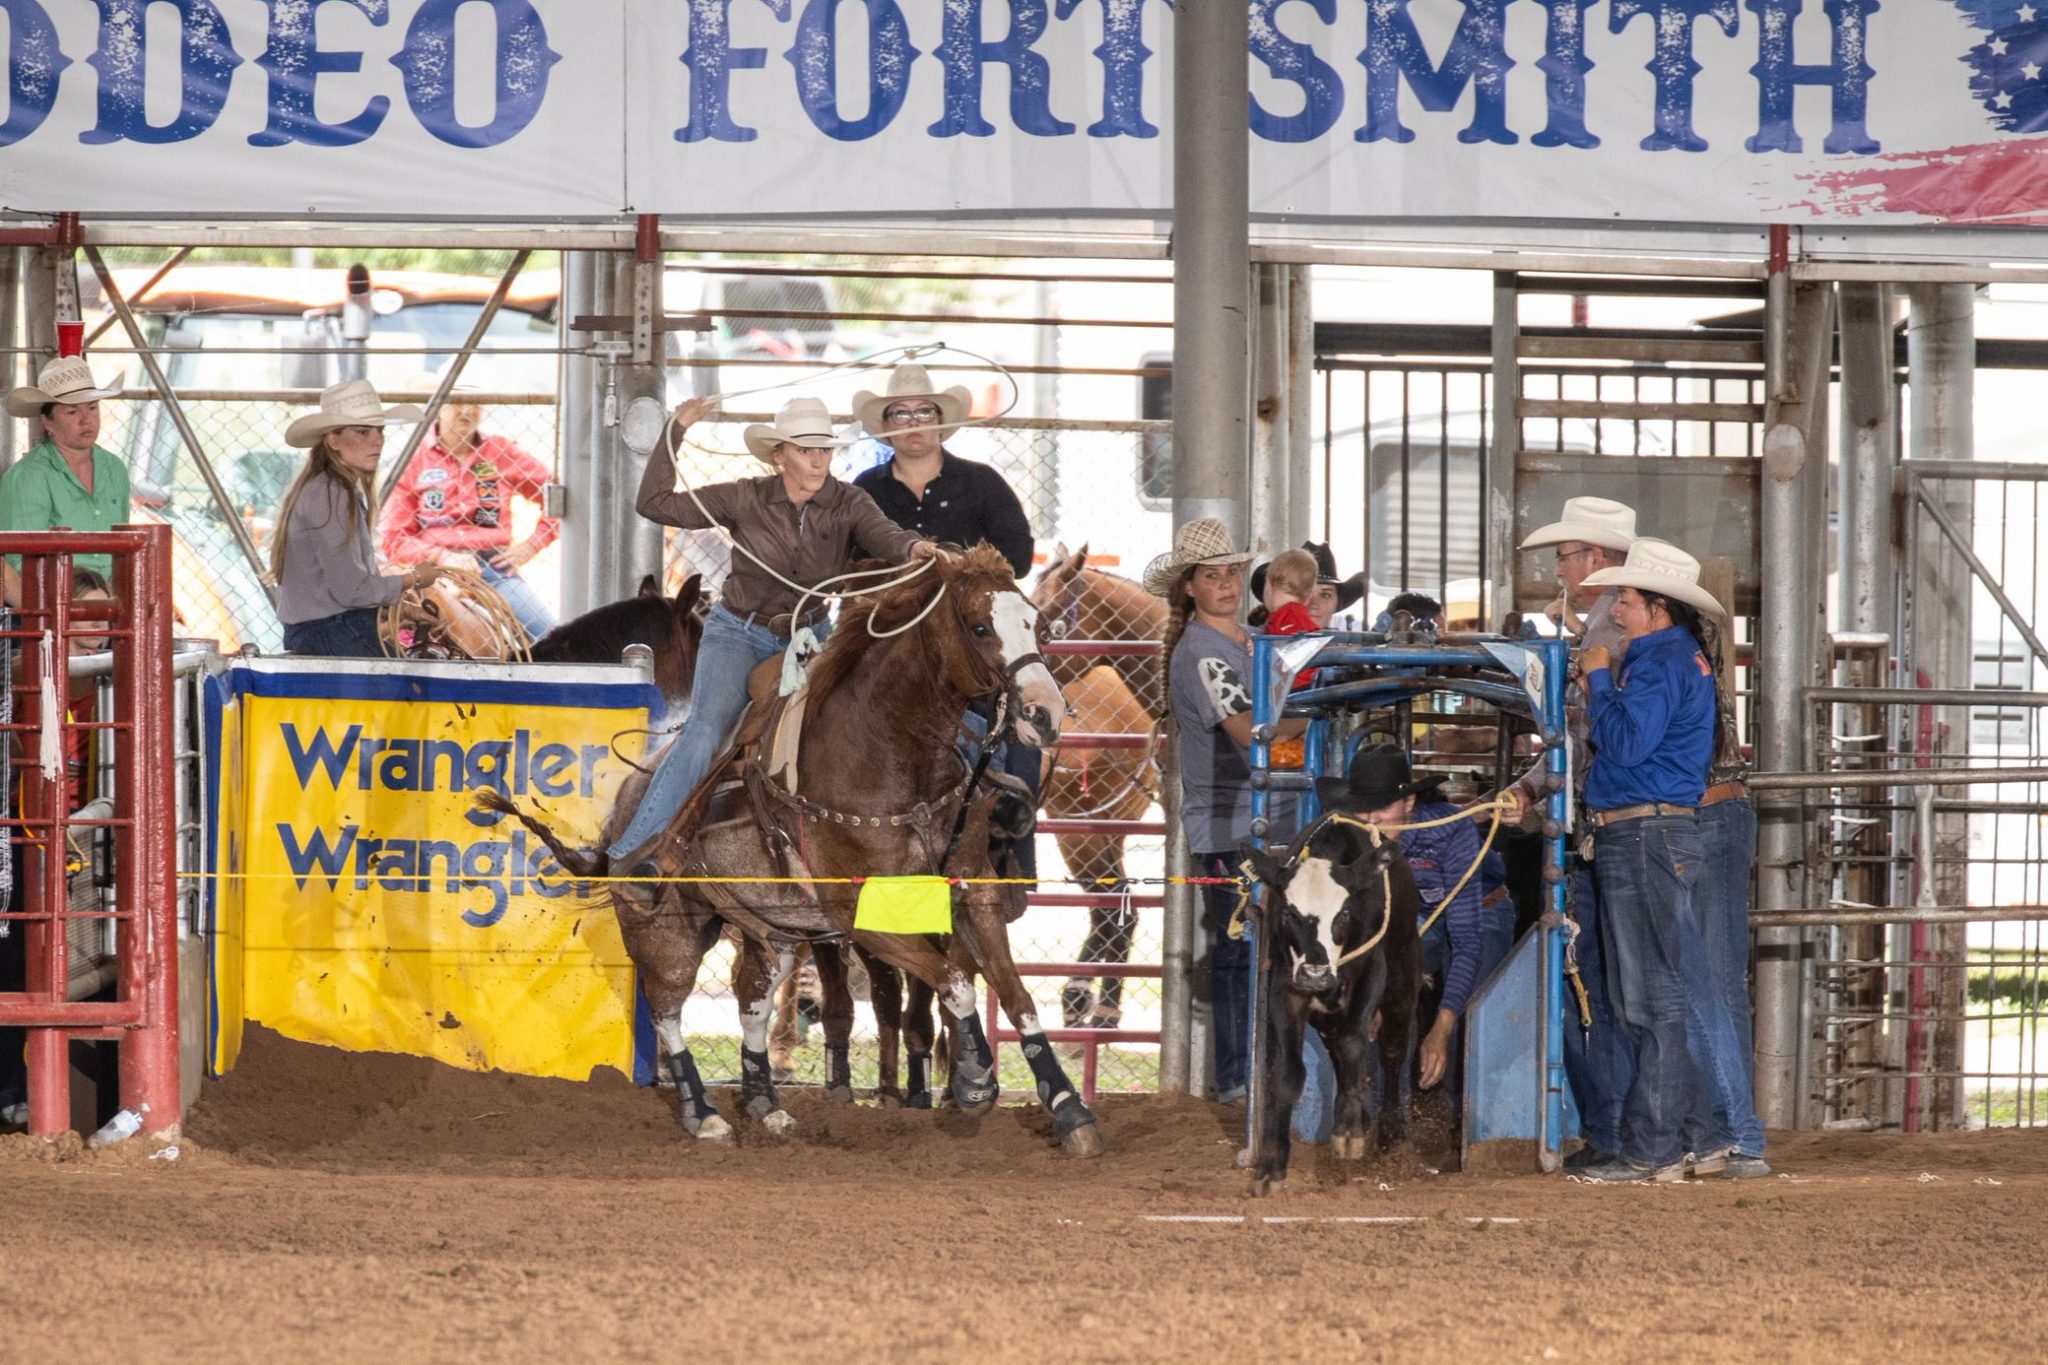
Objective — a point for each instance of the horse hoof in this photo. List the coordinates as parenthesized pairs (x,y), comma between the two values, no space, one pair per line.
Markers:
(781,1124)
(712,1128)
(1263,1185)
(760,1107)
(840,1094)
(1084,1142)
(1350,1146)
(921,1100)
(888,1099)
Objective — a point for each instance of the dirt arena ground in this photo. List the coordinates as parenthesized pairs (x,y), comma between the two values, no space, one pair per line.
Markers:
(328,1207)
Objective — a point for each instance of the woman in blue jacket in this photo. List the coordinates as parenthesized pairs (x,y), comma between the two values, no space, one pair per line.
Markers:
(1653,722)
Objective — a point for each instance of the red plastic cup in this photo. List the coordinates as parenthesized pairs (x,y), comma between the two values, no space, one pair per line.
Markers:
(70,338)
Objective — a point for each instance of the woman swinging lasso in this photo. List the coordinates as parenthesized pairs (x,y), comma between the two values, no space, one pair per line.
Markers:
(792,530)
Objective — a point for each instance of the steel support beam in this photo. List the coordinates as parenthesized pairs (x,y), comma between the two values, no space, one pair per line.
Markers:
(578,386)
(1505,441)
(10,340)
(1941,348)
(1794,509)
(1212,314)
(1212,296)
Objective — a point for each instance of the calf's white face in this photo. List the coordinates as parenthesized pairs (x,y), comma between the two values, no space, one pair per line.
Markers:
(1316,894)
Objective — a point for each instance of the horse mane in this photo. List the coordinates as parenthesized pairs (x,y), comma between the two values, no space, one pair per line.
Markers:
(982,567)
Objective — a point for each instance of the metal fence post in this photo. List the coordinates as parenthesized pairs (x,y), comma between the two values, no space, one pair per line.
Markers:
(1177,1072)
(1212,296)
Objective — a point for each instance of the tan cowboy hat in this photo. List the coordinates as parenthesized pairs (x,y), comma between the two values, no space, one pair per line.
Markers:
(801,422)
(1591,521)
(351,403)
(1660,567)
(905,382)
(1202,541)
(64,380)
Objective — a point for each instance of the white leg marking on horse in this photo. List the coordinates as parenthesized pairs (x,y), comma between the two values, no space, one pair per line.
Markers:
(1027,1022)
(958,995)
(670,1031)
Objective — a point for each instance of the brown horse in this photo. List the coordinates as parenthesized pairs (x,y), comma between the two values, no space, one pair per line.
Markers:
(1124,694)
(1088,783)
(881,788)
(668,626)
(1080,603)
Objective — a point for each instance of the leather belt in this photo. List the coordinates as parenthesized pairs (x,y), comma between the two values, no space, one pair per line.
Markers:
(1602,818)
(1723,791)
(785,623)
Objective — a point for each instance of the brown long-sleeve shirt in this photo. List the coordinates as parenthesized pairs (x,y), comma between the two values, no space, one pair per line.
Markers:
(807,544)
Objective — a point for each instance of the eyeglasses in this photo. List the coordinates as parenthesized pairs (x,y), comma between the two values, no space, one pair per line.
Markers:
(924,414)
(1582,550)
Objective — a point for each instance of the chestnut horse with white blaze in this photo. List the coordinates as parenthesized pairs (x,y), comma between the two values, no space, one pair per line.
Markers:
(881,790)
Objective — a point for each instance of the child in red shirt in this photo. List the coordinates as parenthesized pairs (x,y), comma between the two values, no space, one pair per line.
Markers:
(1290,578)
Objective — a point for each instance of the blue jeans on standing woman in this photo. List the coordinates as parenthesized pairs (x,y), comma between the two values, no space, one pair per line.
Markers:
(731,649)
(1599,1061)
(1647,868)
(1725,1114)
(1230,968)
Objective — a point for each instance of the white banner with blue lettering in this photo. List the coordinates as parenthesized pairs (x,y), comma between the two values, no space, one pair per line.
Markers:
(1703,111)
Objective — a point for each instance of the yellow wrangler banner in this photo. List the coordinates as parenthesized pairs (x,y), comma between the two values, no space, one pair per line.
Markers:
(363,901)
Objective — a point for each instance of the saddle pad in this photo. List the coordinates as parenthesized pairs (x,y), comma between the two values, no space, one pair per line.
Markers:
(905,905)
(783,744)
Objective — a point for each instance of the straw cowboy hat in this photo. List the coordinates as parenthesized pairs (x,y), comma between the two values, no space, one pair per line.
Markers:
(1660,567)
(351,403)
(1349,590)
(801,422)
(1590,521)
(64,380)
(907,382)
(1202,541)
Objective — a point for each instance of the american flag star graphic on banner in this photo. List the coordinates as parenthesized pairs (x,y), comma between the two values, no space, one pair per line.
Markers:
(2007,67)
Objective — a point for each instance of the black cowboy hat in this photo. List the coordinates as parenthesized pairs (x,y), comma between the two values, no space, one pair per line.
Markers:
(1349,590)
(1379,776)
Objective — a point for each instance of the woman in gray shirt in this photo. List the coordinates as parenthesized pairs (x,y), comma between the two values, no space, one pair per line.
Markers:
(328,587)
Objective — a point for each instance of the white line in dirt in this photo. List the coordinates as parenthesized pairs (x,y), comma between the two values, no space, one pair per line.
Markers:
(1194,1218)
(1276,1219)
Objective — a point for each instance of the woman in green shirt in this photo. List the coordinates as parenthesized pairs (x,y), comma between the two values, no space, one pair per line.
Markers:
(66,480)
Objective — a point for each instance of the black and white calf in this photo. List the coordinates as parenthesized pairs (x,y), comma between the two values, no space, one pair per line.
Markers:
(1328,899)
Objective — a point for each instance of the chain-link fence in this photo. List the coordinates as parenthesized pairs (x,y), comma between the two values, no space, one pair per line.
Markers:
(219,592)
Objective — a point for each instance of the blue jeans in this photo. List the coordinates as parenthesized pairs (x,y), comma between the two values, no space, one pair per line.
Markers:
(1230,968)
(1726,1113)
(346,635)
(1647,868)
(718,697)
(1021,761)
(1600,1062)
(519,595)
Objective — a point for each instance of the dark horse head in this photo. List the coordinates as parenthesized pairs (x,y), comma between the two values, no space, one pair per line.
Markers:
(1324,899)
(670,628)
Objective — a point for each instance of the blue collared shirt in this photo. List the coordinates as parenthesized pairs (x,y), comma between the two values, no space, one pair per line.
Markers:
(1653,725)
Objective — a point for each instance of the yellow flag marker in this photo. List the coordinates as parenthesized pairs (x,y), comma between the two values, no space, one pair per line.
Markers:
(905,905)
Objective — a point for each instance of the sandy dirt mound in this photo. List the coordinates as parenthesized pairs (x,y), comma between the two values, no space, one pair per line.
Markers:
(336,1207)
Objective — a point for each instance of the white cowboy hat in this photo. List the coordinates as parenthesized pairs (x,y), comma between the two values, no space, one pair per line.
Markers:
(1660,567)
(351,403)
(910,381)
(63,380)
(1591,521)
(801,422)
(1202,541)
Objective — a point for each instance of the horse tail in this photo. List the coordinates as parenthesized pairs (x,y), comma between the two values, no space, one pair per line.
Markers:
(578,862)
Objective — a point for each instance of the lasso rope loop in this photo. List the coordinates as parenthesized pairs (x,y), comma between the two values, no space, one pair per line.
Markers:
(508,636)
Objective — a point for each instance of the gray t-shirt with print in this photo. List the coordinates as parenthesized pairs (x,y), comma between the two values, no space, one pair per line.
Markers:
(1209,677)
